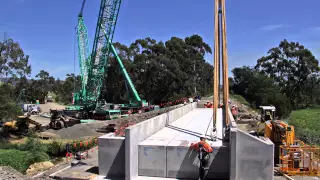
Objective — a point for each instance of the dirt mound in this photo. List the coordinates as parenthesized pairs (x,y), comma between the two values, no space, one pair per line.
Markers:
(38,167)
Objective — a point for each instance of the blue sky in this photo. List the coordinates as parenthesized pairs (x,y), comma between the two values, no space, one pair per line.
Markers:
(45,29)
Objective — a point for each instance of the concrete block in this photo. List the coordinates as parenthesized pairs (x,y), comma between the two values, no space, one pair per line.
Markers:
(134,136)
(111,156)
(254,157)
(183,162)
(152,158)
(219,163)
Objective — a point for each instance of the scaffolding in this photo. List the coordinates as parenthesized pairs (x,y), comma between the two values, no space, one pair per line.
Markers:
(299,159)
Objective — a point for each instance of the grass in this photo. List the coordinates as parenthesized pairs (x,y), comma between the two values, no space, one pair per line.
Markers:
(307,124)
(240,99)
(20,154)
(14,158)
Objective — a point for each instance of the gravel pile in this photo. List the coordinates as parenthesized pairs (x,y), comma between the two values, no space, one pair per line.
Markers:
(8,173)
(78,131)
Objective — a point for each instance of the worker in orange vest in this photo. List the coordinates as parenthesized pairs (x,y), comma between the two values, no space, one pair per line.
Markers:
(204,149)
(206,104)
(234,112)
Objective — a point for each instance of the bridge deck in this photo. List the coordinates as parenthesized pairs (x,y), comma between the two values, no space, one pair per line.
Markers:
(189,127)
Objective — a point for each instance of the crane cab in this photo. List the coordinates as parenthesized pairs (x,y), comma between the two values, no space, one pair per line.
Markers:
(267,113)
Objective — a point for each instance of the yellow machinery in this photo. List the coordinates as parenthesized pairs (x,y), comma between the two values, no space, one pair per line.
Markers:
(299,159)
(267,113)
(279,132)
(21,125)
(294,157)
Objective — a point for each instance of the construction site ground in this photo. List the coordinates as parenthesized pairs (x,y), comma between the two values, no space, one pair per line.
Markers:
(89,169)
(83,131)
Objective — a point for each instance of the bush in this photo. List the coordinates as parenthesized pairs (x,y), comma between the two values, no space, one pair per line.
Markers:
(56,149)
(37,156)
(15,159)
(33,145)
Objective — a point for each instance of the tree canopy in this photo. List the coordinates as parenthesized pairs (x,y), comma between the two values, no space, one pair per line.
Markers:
(160,71)
(287,77)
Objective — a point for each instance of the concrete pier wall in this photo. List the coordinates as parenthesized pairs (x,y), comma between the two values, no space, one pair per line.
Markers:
(250,157)
(232,146)
(111,156)
(254,157)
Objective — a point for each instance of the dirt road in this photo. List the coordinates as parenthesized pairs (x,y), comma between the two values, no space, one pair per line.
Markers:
(50,105)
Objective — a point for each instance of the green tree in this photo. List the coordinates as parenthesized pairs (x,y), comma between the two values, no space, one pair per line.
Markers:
(64,90)
(290,64)
(13,61)
(259,90)
(160,71)
(8,105)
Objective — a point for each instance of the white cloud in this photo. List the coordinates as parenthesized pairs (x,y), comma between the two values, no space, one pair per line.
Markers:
(273,27)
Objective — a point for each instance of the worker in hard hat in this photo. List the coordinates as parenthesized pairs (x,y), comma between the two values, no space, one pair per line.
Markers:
(204,149)
(206,104)
(234,112)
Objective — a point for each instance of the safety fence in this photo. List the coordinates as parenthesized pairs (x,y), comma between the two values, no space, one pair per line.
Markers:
(175,102)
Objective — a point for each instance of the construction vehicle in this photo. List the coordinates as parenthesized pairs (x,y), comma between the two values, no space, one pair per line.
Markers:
(292,155)
(267,113)
(57,120)
(87,102)
(20,126)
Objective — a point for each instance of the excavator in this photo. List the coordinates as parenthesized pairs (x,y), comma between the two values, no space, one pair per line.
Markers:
(87,102)
(20,124)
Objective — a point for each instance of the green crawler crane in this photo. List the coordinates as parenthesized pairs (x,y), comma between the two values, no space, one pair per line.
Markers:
(87,102)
